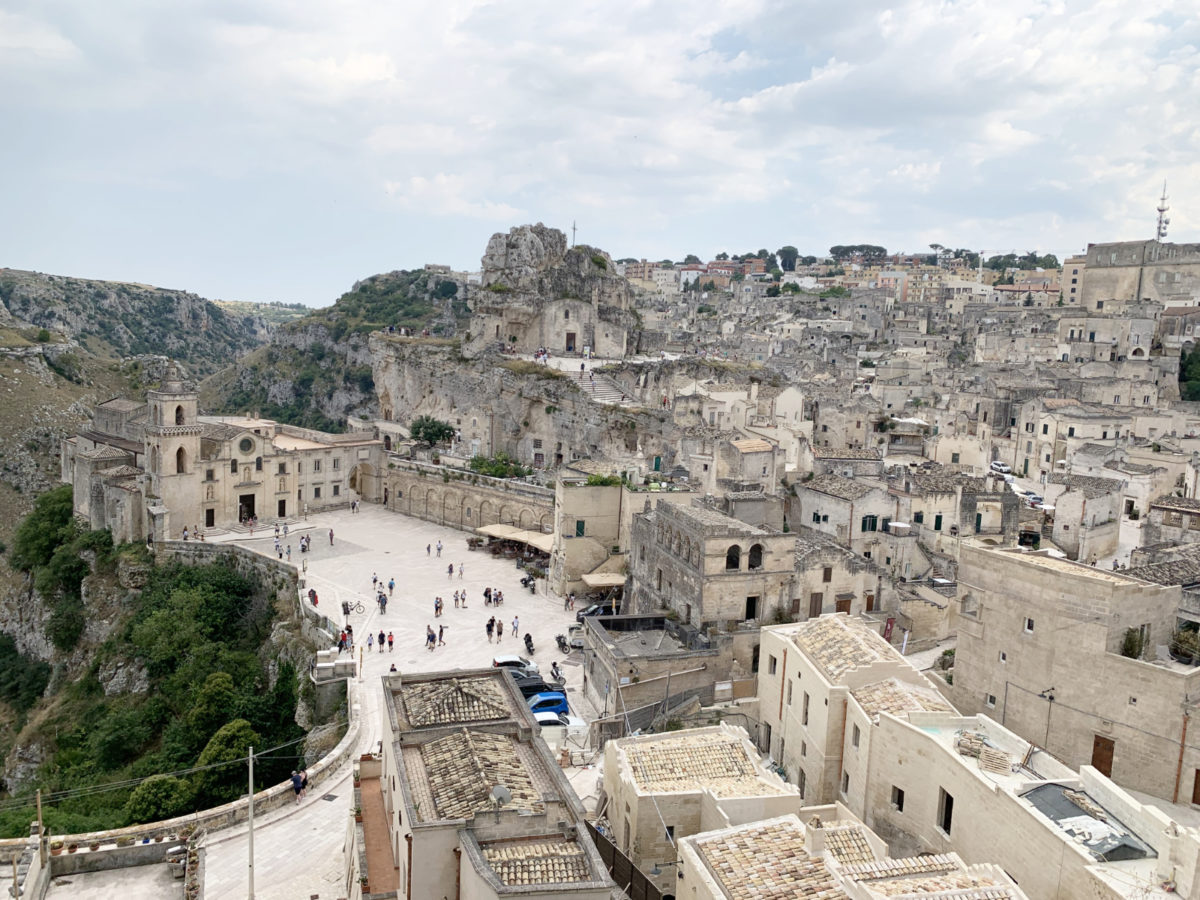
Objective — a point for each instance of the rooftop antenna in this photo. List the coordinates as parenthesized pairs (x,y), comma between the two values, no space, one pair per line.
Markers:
(500,796)
(1161,232)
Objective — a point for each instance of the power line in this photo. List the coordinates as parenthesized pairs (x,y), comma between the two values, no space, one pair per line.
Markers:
(134,782)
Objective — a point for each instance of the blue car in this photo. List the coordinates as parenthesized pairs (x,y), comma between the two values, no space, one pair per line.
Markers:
(549,701)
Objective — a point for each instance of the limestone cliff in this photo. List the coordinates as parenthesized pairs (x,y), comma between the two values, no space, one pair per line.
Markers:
(538,292)
(125,319)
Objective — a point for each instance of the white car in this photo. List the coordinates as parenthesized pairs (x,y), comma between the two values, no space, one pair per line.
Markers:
(516,660)
(573,724)
(1001,467)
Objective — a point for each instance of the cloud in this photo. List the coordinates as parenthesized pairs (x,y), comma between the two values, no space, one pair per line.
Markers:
(661,128)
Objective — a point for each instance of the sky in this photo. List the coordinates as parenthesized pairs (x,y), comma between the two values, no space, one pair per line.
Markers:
(283,149)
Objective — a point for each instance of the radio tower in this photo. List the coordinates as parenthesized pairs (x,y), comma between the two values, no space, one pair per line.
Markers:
(1163,221)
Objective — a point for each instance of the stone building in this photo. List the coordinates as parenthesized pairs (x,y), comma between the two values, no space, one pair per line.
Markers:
(1172,520)
(146,471)
(663,787)
(1136,270)
(852,511)
(816,676)
(1075,659)
(824,852)
(538,292)
(466,794)
(709,568)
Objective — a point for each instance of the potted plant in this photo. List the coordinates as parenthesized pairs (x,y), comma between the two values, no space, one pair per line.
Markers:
(71,848)
(56,847)
(94,845)
(158,839)
(124,841)
(358,814)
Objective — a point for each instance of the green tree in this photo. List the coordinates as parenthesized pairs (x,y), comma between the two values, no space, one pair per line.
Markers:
(159,797)
(44,529)
(213,707)
(787,258)
(722,256)
(773,291)
(225,782)
(431,430)
(691,259)
(445,290)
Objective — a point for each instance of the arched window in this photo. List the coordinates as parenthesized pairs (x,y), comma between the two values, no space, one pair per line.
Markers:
(179,415)
(258,464)
(733,557)
(233,467)
(180,461)
(755,561)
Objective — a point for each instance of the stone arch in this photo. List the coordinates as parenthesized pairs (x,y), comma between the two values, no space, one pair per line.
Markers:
(431,502)
(756,557)
(364,480)
(547,520)
(507,516)
(1138,352)
(449,501)
(179,415)
(733,557)
(525,520)
(487,513)
(181,461)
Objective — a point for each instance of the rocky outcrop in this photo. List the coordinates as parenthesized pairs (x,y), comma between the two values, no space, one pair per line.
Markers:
(130,318)
(520,257)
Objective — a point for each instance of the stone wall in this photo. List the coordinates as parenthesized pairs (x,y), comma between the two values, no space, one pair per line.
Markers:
(462,499)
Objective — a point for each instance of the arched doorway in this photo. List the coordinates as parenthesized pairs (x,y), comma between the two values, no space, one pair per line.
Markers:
(365,482)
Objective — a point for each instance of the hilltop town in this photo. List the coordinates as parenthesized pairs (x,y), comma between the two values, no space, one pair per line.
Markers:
(868,574)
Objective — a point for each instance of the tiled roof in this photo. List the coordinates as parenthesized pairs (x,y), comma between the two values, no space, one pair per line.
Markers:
(453,701)
(894,696)
(846,453)
(689,762)
(848,844)
(751,445)
(837,486)
(894,868)
(1180,504)
(103,452)
(121,404)
(464,767)
(1090,487)
(540,861)
(121,472)
(965,885)
(767,861)
(839,644)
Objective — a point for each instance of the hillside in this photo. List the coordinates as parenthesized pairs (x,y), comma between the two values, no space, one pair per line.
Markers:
(317,369)
(115,666)
(121,319)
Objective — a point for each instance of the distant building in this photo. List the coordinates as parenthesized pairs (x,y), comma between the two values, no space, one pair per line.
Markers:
(1141,270)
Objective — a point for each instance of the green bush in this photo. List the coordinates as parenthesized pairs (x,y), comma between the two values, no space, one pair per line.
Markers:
(431,430)
(44,529)
(23,679)
(43,336)
(225,783)
(599,261)
(603,480)
(499,466)
(159,797)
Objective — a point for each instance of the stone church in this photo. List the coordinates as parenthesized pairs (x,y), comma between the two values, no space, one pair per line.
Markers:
(147,470)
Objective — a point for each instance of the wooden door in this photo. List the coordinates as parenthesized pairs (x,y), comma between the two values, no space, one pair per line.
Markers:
(1196,787)
(1102,755)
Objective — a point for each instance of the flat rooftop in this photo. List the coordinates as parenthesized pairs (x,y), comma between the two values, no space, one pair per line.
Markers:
(1069,567)
(716,760)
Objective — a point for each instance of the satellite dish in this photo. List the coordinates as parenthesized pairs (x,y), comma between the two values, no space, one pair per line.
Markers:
(501,796)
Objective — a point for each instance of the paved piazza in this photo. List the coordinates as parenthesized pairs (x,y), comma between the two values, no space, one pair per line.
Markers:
(298,849)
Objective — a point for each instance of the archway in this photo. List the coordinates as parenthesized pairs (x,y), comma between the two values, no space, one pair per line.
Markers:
(365,481)
(526,519)
(179,415)
(180,461)
(487,513)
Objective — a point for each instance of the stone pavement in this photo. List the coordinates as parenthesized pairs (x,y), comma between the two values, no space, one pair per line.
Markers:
(140,883)
(298,849)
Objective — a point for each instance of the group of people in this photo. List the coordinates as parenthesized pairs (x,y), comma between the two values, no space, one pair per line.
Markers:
(495,626)
(195,533)
(491,596)
(433,639)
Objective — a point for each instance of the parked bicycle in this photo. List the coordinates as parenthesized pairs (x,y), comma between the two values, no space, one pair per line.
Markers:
(355,607)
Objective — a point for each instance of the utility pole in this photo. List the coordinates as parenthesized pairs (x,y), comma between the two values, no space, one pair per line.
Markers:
(573,221)
(250,760)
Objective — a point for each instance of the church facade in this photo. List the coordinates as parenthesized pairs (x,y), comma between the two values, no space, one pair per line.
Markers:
(147,470)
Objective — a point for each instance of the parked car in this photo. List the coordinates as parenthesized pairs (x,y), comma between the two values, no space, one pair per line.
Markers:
(575,637)
(1002,467)
(604,608)
(548,701)
(515,660)
(573,724)
(533,684)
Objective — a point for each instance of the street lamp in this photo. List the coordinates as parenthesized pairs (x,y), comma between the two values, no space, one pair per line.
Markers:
(1048,695)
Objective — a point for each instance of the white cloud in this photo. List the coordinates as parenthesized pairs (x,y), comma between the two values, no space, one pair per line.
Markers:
(662,127)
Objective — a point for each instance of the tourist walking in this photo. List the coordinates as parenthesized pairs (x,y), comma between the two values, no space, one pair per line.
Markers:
(450,570)
(381,639)
(430,638)
(391,642)
(441,632)
(499,630)
(460,571)
(370,642)
(439,549)
(330,537)
(516,624)
(491,626)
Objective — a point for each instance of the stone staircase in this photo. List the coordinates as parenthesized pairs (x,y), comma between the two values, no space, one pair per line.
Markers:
(607,391)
